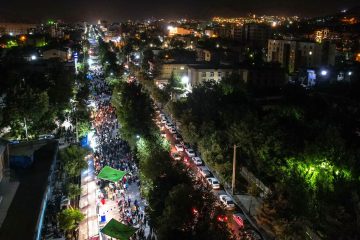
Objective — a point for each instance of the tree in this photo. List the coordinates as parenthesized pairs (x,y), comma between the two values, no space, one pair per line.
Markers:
(74,191)
(73,160)
(69,220)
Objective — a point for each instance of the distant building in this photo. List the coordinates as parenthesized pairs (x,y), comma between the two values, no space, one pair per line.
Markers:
(176,68)
(199,73)
(55,53)
(293,55)
(15,29)
(178,31)
(256,34)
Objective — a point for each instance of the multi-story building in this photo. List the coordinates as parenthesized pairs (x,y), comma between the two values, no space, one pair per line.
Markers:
(293,55)
(173,68)
(199,73)
(256,34)
(15,29)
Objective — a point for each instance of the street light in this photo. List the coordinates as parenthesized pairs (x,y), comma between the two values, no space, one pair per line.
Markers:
(185,79)
(324,72)
(137,137)
(33,57)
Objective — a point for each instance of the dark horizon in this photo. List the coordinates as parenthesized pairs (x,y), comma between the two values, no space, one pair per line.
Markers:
(91,10)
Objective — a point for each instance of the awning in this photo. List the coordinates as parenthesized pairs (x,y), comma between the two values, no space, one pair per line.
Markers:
(111,174)
(118,230)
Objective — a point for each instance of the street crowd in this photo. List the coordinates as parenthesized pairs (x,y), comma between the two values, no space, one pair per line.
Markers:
(112,151)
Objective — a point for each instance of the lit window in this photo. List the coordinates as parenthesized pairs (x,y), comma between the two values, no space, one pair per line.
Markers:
(203,74)
(211,74)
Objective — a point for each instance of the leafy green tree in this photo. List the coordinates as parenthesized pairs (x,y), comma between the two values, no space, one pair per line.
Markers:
(69,220)
(73,160)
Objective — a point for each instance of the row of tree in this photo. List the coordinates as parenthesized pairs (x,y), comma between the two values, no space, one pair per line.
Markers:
(179,207)
(303,145)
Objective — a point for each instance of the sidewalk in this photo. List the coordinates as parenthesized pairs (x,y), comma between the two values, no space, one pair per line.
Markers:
(89,227)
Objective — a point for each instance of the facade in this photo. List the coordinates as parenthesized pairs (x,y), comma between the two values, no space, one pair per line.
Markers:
(15,29)
(178,31)
(293,55)
(178,69)
(256,34)
(55,53)
(199,73)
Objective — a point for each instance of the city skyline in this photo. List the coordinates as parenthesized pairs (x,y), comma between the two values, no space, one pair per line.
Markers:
(92,10)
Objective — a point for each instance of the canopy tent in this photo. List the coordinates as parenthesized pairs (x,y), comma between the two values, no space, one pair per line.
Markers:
(111,174)
(118,230)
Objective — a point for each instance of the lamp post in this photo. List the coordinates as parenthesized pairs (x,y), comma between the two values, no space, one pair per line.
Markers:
(234,171)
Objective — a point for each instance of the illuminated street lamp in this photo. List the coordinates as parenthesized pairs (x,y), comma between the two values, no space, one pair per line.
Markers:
(33,57)
(323,73)
(185,79)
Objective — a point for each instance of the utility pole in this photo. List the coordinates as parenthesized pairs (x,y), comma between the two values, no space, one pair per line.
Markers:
(234,171)
(26,130)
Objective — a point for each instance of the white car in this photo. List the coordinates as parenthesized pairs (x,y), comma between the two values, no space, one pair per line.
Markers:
(197,161)
(163,134)
(162,115)
(163,120)
(205,172)
(179,147)
(227,201)
(190,152)
(168,125)
(172,130)
(213,182)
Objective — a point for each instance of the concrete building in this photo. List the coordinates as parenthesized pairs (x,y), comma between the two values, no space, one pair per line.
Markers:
(178,31)
(55,53)
(176,68)
(199,73)
(256,34)
(293,55)
(15,29)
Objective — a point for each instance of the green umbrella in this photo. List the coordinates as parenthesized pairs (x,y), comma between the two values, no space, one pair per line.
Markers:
(111,174)
(118,230)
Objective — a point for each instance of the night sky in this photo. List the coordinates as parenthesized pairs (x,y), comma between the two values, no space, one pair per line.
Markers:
(90,10)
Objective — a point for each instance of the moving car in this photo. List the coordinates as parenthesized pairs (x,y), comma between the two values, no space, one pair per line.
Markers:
(227,202)
(190,152)
(179,148)
(213,182)
(197,161)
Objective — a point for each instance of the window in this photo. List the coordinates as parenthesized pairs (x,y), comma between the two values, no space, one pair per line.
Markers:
(203,74)
(211,74)
(219,74)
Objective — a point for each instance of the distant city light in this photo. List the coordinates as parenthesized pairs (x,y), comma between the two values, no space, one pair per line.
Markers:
(310,53)
(350,73)
(324,73)
(33,57)
(274,24)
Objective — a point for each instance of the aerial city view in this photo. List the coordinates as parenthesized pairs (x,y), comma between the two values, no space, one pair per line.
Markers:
(180,120)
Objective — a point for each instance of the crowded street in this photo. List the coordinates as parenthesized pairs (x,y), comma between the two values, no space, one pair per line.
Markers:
(118,200)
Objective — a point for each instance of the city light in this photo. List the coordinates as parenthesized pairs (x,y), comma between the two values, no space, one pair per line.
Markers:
(350,73)
(310,53)
(33,57)
(324,72)
(185,79)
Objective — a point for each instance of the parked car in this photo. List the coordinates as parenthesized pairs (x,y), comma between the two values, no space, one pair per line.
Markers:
(65,203)
(239,219)
(213,182)
(227,202)
(177,137)
(168,125)
(163,134)
(163,120)
(190,152)
(186,145)
(176,156)
(197,161)
(172,130)
(205,172)
(179,148)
